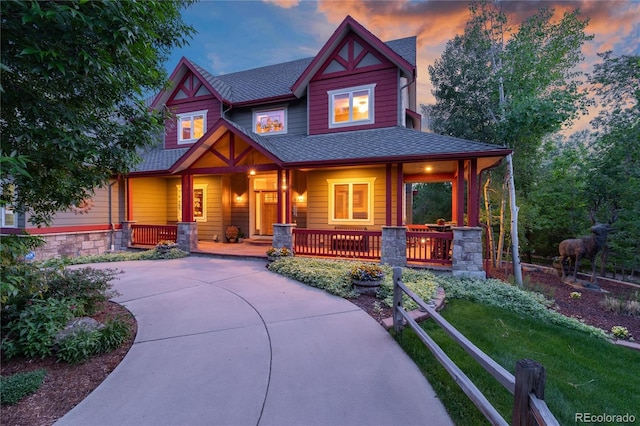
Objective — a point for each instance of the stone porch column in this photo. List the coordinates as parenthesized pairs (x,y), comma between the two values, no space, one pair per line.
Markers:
(394,245)
(283,235)
(467,253)
(127,234)
(187,236)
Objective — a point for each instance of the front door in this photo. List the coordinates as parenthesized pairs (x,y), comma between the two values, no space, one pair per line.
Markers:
(267,214)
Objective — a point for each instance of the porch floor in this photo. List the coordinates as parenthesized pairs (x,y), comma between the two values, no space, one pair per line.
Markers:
(243,249)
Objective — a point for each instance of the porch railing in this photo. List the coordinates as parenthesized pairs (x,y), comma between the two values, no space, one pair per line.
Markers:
(337,243)
(424,245)
(150,235)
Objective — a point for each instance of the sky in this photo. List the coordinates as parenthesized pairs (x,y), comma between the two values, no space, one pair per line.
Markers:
(236,35)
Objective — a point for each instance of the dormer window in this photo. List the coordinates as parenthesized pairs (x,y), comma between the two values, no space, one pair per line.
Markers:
(272,121)
(191,126)
(351,106)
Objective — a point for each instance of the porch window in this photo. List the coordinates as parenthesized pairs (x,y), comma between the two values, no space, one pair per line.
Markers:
(191,126)
(352,106)
(272,121)
(199,202)
(351,201)
(8,216)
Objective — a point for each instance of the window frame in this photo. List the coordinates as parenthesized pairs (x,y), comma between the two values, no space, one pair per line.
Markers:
(332,183)
(190,115)
(7,210)
(333,124)
(263,111)
(197,186)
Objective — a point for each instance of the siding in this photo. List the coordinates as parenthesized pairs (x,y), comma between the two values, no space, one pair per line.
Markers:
(318,195)
(211,104)
(213,225)
(385,99)
(97,215)
(149,201)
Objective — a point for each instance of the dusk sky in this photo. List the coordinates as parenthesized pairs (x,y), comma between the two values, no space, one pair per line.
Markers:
(239,35)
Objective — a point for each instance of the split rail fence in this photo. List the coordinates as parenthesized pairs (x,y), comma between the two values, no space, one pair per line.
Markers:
(527,386)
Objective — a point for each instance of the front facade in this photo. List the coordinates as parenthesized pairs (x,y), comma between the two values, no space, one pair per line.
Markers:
(329,145)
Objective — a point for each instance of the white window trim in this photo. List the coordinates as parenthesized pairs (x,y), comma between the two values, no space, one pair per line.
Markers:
(4,211)
(332,93)
(202,186)
(370,201)
(190,115)
(257,112)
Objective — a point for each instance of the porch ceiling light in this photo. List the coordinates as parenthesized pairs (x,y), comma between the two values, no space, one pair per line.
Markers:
(428,169)
(252,172)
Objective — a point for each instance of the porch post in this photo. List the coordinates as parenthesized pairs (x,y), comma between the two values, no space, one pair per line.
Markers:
(187,198)
(399,195)
(473,196)
(459,212)
(466,256)
(129,200)
(127,234)
(389,193)
(394,245)
(279,189)
(187,238)
(287,199)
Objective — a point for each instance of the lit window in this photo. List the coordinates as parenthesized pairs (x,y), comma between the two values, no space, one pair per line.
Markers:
(9,218)
(353,106)
(351,201)
(270,121)
(191,126)
(199,202)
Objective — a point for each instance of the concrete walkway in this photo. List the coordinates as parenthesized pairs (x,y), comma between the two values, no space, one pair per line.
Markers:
(226,342)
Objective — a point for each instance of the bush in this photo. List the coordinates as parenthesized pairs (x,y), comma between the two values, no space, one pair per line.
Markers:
(113,335)
(33,332)
(92,287)
(78,347)
(20,385)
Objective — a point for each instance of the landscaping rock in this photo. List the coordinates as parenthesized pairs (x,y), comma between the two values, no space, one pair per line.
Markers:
(78,325)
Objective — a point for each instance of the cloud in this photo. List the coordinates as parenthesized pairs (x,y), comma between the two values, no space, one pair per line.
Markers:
(285,4)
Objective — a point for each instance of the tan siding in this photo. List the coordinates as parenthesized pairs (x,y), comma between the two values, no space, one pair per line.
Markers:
(318,190)
(98,214)
(213,225)
(149,201)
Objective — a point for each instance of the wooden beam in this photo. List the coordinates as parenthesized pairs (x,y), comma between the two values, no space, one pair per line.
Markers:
(129,199)
(187,198)
(279,192)
(399,195)
(473,194)
(388,194)
(459,212)
(435,177)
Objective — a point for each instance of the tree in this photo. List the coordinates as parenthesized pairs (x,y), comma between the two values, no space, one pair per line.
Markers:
(74,79)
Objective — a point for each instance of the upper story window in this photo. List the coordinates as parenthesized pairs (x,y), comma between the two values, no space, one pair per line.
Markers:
(351,106)
(191,126)
(273,121)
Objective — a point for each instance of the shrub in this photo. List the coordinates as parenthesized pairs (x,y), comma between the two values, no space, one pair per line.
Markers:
(114,333)
(620,332)
(92,287)
(78,347)
(20,385)
(33,332)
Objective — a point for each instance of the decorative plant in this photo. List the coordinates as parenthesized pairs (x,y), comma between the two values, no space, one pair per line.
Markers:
(232,232)
(281,252)
(441,221)
(620,332)
(367,272)
(575,295)
(166,245)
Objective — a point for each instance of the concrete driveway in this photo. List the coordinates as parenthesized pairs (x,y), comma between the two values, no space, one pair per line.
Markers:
(226,342)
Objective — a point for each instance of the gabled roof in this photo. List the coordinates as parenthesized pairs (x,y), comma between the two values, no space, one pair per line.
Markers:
(349,24)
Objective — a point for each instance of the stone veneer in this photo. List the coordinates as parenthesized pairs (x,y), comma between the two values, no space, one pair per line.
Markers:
(187,236)
(394,246)
(467,253)
(78,244)
(283,235)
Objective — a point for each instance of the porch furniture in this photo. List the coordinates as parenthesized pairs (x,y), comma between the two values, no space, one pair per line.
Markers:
(350,242)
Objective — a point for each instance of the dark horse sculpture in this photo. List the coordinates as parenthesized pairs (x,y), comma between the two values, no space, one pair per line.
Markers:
(585,247)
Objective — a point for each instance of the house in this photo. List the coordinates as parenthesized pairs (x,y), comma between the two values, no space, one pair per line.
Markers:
(318,154)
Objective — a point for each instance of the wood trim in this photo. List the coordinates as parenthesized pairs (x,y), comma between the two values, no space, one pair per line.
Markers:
(473,209)
(389,192)
(129,195)
(66,229)
(399,195)
(459,212)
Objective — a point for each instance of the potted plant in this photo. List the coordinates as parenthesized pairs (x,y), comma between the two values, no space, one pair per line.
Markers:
(366,277)
(164,246)
(232,233)
(276,253)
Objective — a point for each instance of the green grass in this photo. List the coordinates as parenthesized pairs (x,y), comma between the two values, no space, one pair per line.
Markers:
(585,374)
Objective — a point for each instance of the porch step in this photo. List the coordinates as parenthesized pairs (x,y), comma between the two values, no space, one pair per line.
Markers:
(258,241)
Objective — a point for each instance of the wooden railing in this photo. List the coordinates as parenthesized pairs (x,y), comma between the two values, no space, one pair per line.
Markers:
(527,386)
(150,235)
(429,246)
(337,243)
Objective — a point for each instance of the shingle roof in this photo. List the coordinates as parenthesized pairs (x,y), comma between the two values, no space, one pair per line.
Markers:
(276,80)
(390,142)
(158,159)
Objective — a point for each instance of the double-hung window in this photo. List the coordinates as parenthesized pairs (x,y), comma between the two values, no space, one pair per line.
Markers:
(191,126)
(351,106)
(8,216)
(351,201)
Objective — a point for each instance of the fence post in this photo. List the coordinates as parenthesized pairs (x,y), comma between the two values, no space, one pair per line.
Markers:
(530,377)
(398,320)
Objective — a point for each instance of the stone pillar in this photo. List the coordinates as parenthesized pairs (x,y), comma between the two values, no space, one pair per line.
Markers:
(394,245)
(467,253)
(127,234)
(187,236)
(283,235)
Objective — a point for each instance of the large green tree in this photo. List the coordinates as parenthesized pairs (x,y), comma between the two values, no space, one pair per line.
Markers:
(75,75)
